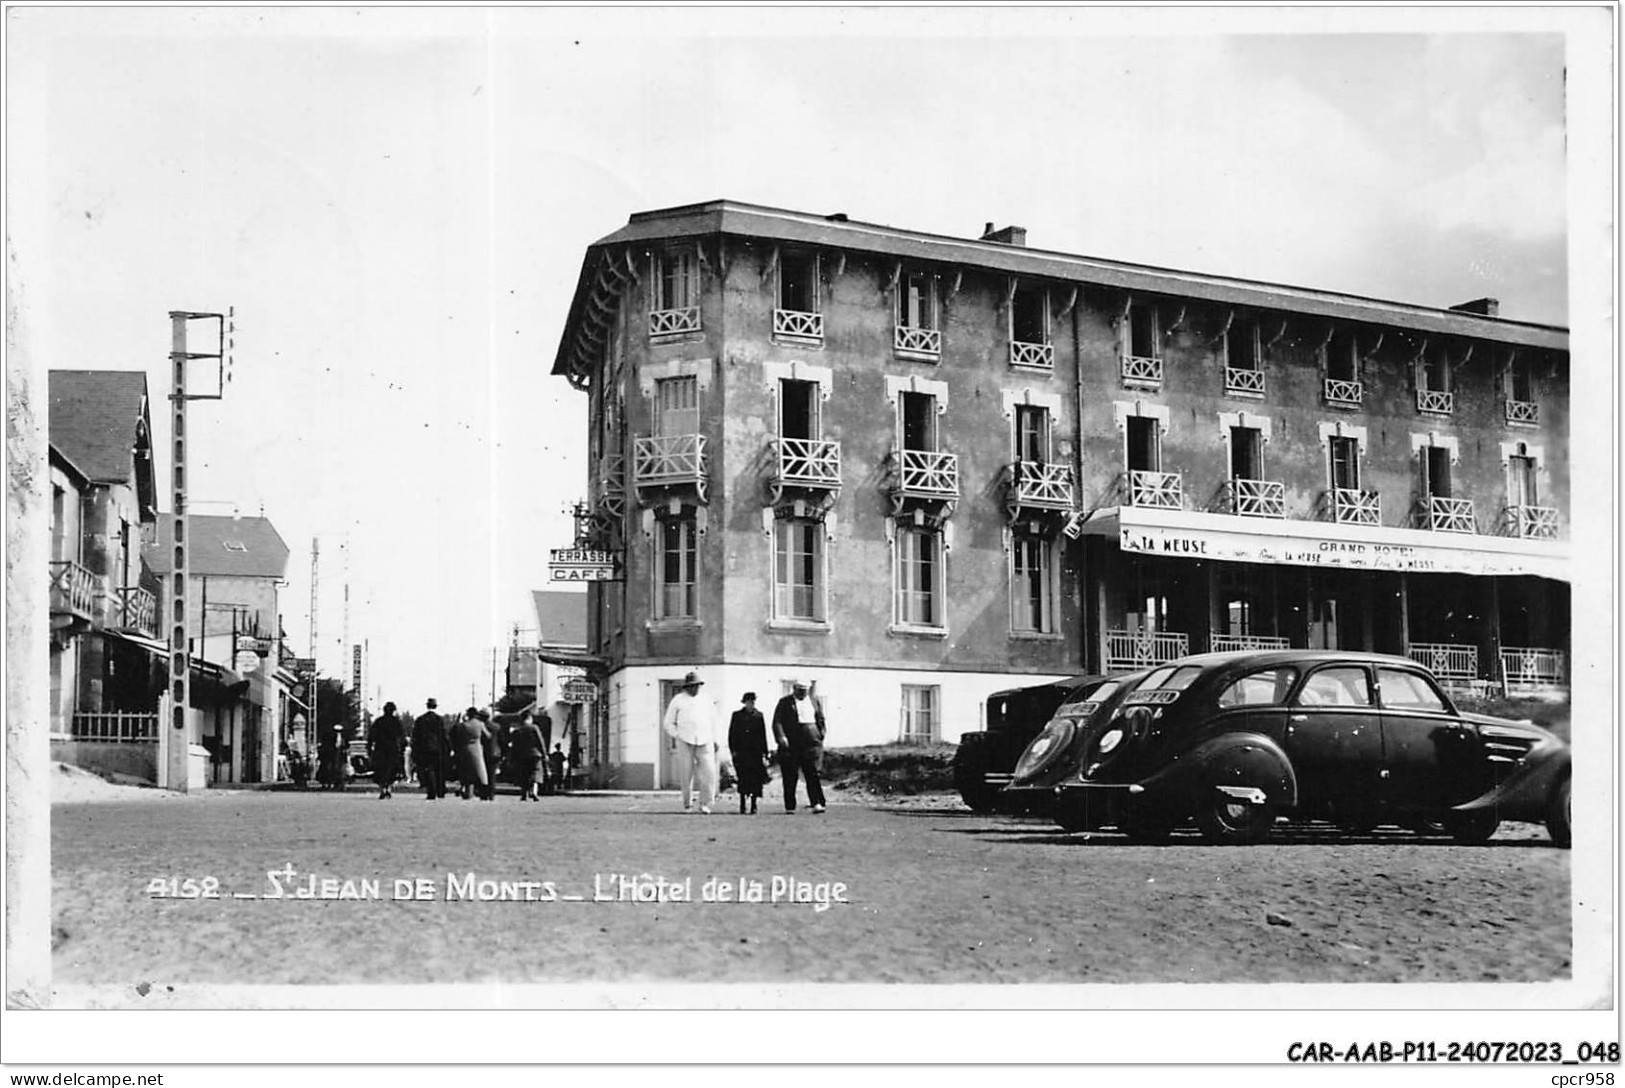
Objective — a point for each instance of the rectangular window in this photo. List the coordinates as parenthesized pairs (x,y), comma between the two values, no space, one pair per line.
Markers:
(1238,616)
(919,576)
(798,282)
(1436,472)
(917,300)
(675,566)
(1342,358)
(1521,380)
(677,406)
(918,413)
(798,562)
(1345,462)
(1241,346)
(1142,332)
(1144,444)
(1433,374)
(1246,453)
(1032,433)
(1032,585)
(677,282)
(920,714)
(1029,316)
(1521,489)
(798,409)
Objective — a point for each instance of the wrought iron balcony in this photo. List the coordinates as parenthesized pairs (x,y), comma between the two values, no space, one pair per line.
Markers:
(796,325)
(1034,355)
(1036,485)
(1522,413)
(925,474)
(1453,663)
(1241,382)
(1529,669)
(133,608)
(917,341)
(1341,393)
(670,461)
(1141,370)
(1221,643)
(1130,650)
(806,462)
(674,322)
(75,591)
(1435,402)
(1444,515)
(1255,498)
(1532,522)
(1159,489)
(1353,506)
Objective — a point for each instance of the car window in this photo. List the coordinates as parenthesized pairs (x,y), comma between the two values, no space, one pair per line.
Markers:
(1408,689)
(1171,679)
(1263,688)
(1336,686)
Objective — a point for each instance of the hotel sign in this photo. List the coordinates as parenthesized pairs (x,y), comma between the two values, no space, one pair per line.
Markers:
(584,565)
(1341,553)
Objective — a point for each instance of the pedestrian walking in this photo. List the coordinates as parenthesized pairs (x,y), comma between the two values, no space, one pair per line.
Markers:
(555,762)
(386,741)
(429,752)
(495,736)
(692,721)
(469,738)
(798,730)
(528,756)
(747,742)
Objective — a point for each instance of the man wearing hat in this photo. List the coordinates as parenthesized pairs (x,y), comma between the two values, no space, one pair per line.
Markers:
(798,730)
(429,750)
(693,722)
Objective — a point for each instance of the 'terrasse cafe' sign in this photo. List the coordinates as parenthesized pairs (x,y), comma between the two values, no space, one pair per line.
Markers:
(584,565)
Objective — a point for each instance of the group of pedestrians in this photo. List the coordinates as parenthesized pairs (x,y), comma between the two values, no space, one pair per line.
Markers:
(469,748)
(798,736)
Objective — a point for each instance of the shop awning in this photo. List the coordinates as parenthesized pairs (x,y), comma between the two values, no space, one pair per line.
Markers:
(151,645)
(1187,534)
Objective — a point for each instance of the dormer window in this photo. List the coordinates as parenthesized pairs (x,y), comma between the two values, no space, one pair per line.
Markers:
(1141,345)
(1243,360)
(674,306)
(917,334)
(1522,408)
(1029,328)
(1341,361)
(797,315)
(1433,394)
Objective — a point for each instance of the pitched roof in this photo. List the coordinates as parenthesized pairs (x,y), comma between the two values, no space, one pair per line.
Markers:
(223,547)
(98,417)
(561,617)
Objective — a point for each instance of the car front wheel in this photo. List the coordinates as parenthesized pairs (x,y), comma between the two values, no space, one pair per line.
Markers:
(1557,816)
(1227,820)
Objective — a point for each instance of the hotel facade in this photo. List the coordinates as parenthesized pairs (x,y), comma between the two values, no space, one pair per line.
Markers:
(919,469)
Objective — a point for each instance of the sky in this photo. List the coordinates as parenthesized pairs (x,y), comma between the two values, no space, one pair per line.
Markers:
(396,203)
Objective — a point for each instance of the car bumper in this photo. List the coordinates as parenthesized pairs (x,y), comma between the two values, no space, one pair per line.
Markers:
(1093,805)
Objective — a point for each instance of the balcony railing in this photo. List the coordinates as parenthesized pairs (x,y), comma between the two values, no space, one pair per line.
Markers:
(1342,393)
(674,322)
(1453,663)
(925,474)
(1526,669)
(1239,381)
(134,609)
(1129,650)
(1037,355)
(807,462)
(1222,643)
(116,727)
(1159,489)
(1435,401)
(1532,522)
(1525,413)
(74,589)
(1444,515)
(1256,498)
(669,459)
(1036,484)
(918,341)
(1352,506)
(1142,370)
(797,325)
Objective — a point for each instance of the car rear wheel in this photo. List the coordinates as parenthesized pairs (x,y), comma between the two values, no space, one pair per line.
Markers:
(1472,828)
(1227,820)
(1557,815)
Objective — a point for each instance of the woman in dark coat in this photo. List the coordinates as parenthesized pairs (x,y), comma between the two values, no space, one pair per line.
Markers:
(525,749)
(469,738)
(385,743)
(747,743)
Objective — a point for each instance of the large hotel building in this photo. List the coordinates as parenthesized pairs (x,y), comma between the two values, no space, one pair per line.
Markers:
(919,469)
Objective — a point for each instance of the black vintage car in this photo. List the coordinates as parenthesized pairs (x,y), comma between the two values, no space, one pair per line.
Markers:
(1054,754)
(1236,740)
(984,761)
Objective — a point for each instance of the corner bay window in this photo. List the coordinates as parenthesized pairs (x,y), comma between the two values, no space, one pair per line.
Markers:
(797,569)
(675,565)
(919,576)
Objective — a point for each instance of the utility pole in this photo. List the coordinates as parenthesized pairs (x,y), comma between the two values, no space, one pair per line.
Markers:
(315,661)
(177,760)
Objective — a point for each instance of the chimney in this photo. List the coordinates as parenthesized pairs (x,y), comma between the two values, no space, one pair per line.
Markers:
(1009,236)
(1489,307)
